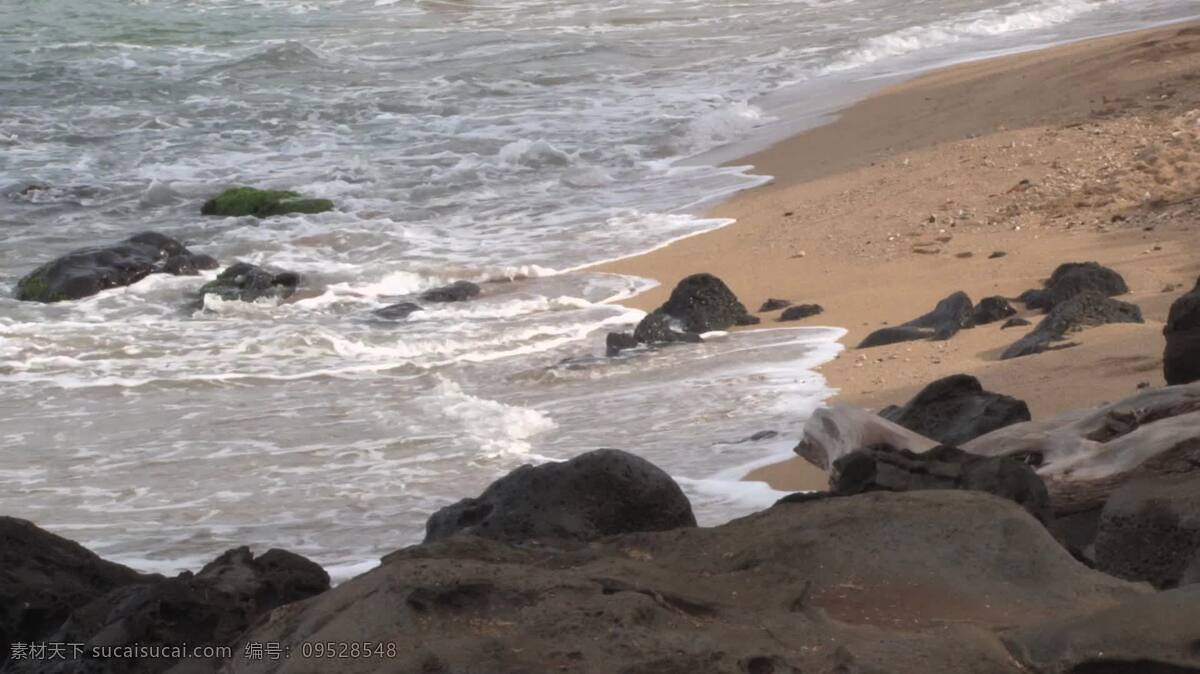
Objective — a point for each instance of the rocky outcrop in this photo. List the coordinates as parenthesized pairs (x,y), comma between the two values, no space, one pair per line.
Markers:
(1181,359)
(245,282)
(87,271)
(956,409)
(800,311)
(212,607)
(947,318)
(600,493)
(774,304)
(459,291)
(902,583)
(1150,530)
(1085,309)
(885,468)
(1073,278)
(395,312)
(239,201)
(44,577)
(833,432)
(992,309)
(702,303)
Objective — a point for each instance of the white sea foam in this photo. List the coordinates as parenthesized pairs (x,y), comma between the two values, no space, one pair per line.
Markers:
(499,430)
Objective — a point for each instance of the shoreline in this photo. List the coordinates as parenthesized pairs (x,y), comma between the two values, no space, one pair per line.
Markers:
(904,196)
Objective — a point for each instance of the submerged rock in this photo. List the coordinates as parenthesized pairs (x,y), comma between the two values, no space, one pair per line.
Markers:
(947,318)
(992,309)
(885,468)
(659,328)
(1150,530)
(87,271)
(956,409)
(1181,359)
(1086,309)
(1073,278)
(395,312)
(801,311)
(616,342)
(245,282)
(459,291)
(239,201)
(600,493)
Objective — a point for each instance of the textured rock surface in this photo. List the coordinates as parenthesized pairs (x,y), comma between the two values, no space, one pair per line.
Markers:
(801,311)
(599,493)
(245,282)
(947,318)
(43,577)
(1181,359)
(239,201)
(902,583)
(1086,309)
(1073,278)
(884,468)
(1150,530)
(702,302)
(956,409)
(87,271)
(992,309)
(459,291)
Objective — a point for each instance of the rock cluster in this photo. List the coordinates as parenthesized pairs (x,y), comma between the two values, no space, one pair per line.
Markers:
(699,303)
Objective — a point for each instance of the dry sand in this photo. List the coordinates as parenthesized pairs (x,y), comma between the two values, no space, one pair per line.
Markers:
(1089,151)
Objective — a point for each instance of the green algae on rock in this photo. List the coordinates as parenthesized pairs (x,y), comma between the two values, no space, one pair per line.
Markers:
(237,201)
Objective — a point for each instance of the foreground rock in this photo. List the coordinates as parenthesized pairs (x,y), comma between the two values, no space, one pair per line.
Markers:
(801,311)
(1073,278)
(87,271)
(1086,309)
(947,318)
(1150,530)
(902,583)
(596,494)
(833,432)
(245,282)
(239,201)
(212,607)
(992,309)
(44,577)
(1181,359)
(459,291)
(699,303)
(956,409)
(885,468)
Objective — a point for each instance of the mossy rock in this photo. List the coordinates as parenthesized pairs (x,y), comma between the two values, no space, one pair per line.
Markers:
(238,201)
(35,288)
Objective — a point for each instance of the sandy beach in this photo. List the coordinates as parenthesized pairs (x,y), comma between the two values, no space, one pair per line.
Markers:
(982,177)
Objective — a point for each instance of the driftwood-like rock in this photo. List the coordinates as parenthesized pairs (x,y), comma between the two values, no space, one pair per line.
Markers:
(833,432)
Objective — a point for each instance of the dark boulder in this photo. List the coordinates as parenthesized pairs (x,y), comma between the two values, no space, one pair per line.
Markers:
(885,468)
(600,493)
(800,311)
(87,271)
(1087,309)
(1015,323)
(212,607)
(459,291)
(1073,278)
(395,312)
(702,302)
(1181,359)
(956,409)
(245,282)
(947,318)
(239,201)
(659,328)
(773,304)
(1150,530)
(44,577)
(992,309)
(616,342)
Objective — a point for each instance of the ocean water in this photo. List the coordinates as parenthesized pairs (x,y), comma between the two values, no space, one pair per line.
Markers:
(509,143)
